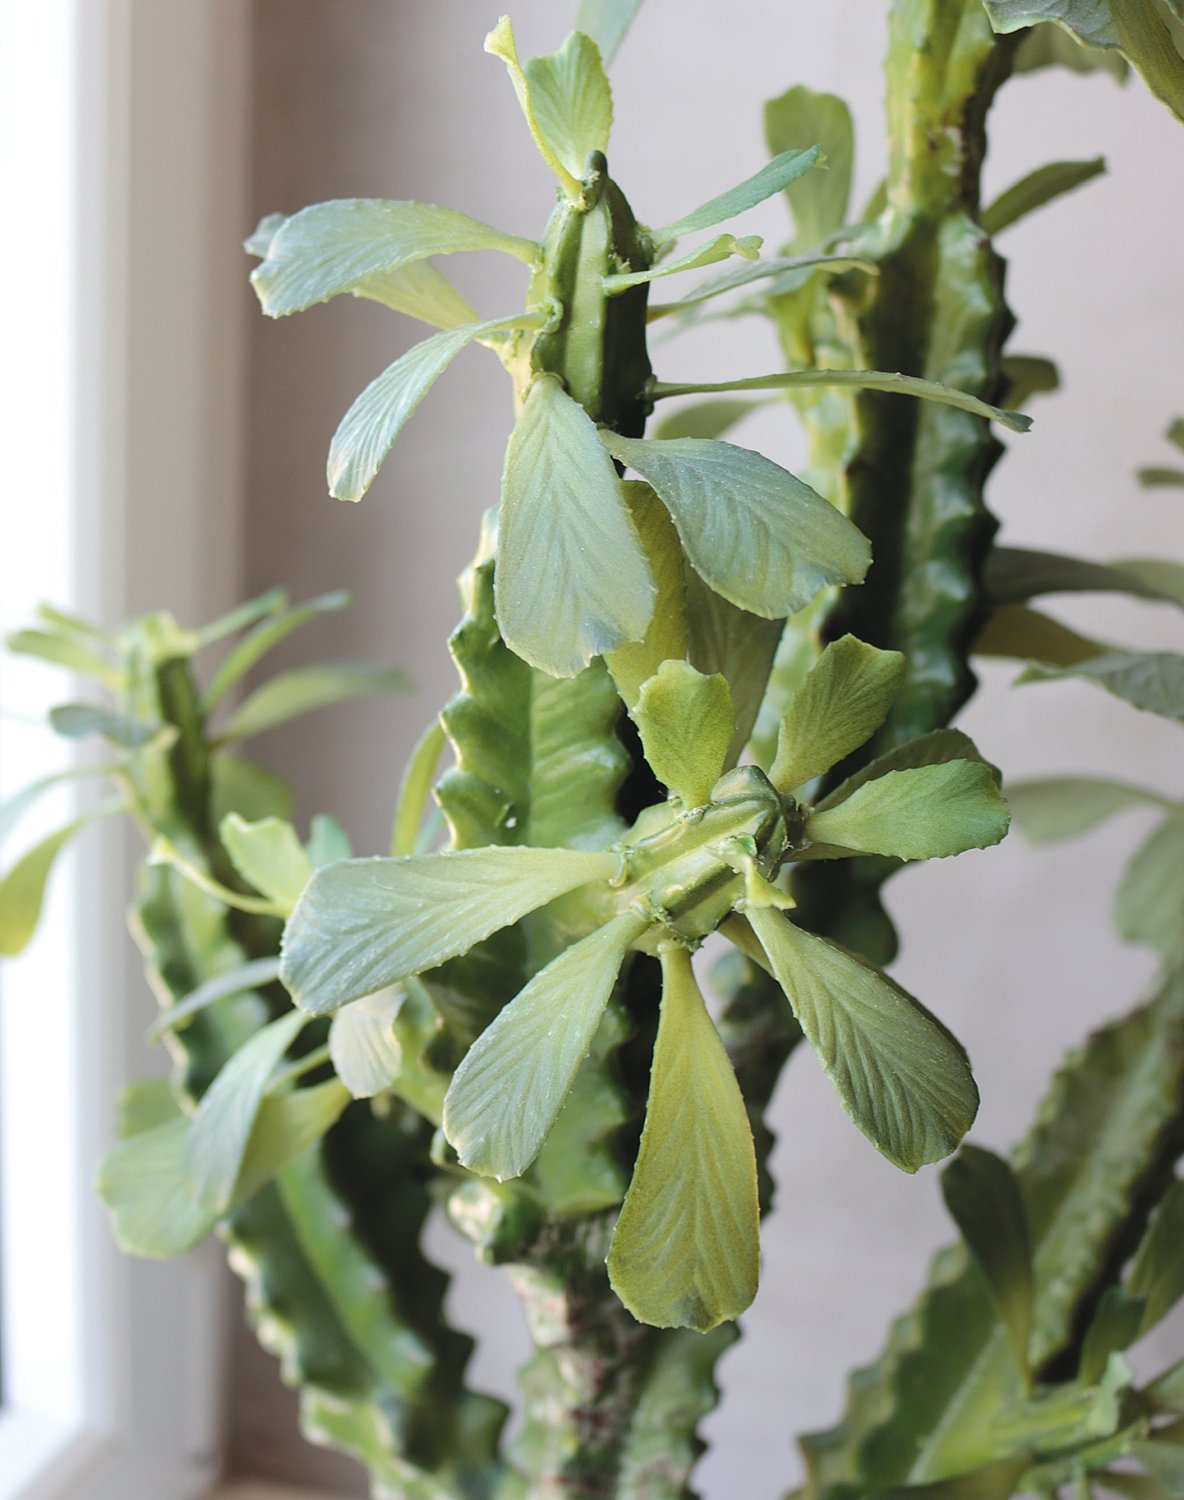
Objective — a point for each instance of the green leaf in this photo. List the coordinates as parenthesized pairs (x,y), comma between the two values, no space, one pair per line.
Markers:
(243,616)
(686,1249)
(1166,1392)
(242,786)
(606,22)
(285,1127)
(64,651)
(1026,634)
(142,1182)
(22,890)
(771,178)
(984,1199)
(512,1083)
(752,531)
(929,812)
(269,856)
(665,637)
(1038,188)
(1150,680)
(1157,1274)
(307,688)
(14,809)
(255,646)
(819,200)
(1028,375)
(1015,574)
(1061,807)
(705,419)
(898,1072)
(1162,575)
(1114,1327)
(844,699)
(546,113)
(686,724)
(328,841)
(364,924)
(76,721)
(144,1105)
(994,1481)
(720,248)
(1162,1455)
(572,101)
(362,1043)
(937,748)
(336,247)
(221,1128)
(420,290)
(1149,903)
(1135,28)
(415,788)
(738,645)
(783,273)
(369,429)
(859,380)
(240,981)
(258,242)
(572,581)
(1048,46)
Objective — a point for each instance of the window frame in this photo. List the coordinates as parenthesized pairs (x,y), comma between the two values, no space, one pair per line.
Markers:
(130,157)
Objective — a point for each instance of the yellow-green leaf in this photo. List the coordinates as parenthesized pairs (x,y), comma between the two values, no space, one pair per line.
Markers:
(666,635)
(573,103)
(686,724)
(928,812)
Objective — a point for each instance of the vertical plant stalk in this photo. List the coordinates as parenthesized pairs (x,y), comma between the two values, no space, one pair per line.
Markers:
(914,473)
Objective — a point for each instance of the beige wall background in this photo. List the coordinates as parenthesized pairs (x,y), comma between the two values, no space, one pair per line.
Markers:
(394,98)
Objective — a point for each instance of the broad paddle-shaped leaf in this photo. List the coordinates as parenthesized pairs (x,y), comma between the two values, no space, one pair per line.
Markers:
(752,531)
(929,812)
(362,1043)
(686,723)
(571,581)
(898,1072)
(512,1083)
(269,856)
(364,924)
(686,1251)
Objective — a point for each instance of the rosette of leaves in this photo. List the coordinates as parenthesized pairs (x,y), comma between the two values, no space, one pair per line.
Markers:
(686,1247)
(573,580)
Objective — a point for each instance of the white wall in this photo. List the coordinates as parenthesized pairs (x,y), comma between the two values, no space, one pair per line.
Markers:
(1012,948)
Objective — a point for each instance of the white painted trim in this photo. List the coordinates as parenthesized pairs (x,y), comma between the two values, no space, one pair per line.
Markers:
(113,1367)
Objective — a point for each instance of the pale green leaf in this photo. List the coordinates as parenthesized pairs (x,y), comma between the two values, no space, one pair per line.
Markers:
(144,1105)
(606,22)
(269,633)
(243,616)
(1150,680)
(77,721)
(335,247)
(14,809)
(859,380)
(928,812)
(221,1128)
(1157,1274)
(783,273)
(240,981)
(1048,46)
(686,1249)
(937,748)
(142,1182)
(500,43)
(364,924)
(415,788)
(1149,904)
(247,788)
(720,248)
(665,638)
(512,1083)
(305,689)
(285,1127)
(572,101)
(258,242)
(1028,375)
(327,842)
(686,724)
(898,1072)
(984,1199)
(706,419)
(571,581)
(1023,634)
(185,861)
(739,646)
(22,890)
(420,290)
(819,200)
(1042,186)
(362,1043)
(1061,807)
(752,531)
(1015,574)
(771,178)
(1166,1392)
(1160,574)
(269,856)
(843,700)
(369,429)
(1135,28)
(65,651)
